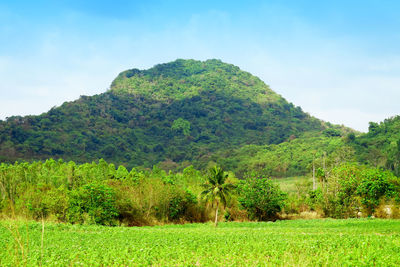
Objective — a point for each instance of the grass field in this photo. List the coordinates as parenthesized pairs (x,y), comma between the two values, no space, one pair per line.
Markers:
(288,184)
(353,242)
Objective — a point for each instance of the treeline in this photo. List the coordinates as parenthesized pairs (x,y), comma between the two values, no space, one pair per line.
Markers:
(100,193)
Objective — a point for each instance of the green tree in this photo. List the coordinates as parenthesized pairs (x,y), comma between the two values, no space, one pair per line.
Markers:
(217,190)
(261,198)
(375,185)
(181,125)
(98,201)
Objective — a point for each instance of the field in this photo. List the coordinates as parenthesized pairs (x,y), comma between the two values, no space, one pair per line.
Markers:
(289,184)
(352,242)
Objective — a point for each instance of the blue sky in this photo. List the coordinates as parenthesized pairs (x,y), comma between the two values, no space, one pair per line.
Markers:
(338,60)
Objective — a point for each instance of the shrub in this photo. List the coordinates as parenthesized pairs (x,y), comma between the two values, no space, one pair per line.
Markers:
(374,186)
(42,201)
(180,204)
(95,201)
(261,198)
(351,188)
(129,210)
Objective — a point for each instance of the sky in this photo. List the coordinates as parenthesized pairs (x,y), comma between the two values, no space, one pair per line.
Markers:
(338,60)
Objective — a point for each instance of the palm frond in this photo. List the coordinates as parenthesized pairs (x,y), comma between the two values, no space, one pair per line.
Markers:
(228,187)
(223,198)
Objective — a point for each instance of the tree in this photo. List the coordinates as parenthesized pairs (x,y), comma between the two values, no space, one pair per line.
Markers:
(217,190)
(375,185)
(330,132)
(261,198)
(181,125)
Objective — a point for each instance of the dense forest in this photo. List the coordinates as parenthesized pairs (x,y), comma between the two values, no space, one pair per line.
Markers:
(196,113)
(176,114)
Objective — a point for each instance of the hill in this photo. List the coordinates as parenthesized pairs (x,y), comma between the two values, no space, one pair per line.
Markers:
(175,113)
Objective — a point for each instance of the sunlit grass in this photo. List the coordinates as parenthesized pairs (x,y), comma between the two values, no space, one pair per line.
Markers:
(289,184)
(301,242)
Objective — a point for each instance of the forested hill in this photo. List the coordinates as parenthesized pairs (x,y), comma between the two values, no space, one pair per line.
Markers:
(183,111)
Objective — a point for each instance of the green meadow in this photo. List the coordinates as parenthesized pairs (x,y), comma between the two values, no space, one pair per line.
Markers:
(291,184)
(327,242)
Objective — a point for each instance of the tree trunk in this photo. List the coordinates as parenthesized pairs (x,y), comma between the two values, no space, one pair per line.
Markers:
(313,174)
(216,215)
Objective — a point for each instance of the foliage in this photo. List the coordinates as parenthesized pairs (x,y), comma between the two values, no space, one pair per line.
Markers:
(380,147)
(217,189)
(176,112)
(44,200)
(100,193)
(261,198)
(350,189)
(330,132)
(374,186)
(95,200)
(181,125)
(179,205)
(292,158)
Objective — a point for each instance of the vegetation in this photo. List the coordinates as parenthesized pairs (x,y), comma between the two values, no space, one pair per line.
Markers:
(179,113)
(292,158)
(100,193)
(174,114)
(380,147)
(217,189)
(349,189)
(262,199)
(350,242)
(180,119)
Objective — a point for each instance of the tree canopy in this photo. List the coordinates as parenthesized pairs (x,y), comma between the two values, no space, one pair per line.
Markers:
(174,113)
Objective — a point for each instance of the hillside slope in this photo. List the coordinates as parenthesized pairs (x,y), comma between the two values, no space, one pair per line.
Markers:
(177,112)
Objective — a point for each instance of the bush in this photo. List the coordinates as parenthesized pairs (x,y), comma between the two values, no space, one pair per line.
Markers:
(351,188)
(375,186)
(93,203)
(179,205)
(314,199)
(261,198)
(43,201)
(129,210)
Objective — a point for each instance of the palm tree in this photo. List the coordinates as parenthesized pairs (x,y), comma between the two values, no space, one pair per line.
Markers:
(217,190)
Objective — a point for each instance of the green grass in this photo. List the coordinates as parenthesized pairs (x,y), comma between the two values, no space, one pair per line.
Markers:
(353,242)
(289,184)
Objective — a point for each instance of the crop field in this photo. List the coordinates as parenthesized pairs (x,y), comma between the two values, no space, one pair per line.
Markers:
(352,242)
